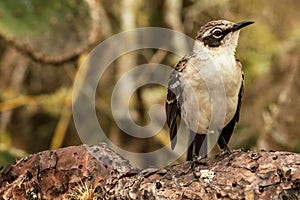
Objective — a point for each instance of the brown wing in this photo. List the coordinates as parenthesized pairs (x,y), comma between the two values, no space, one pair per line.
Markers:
(173,110)
(228,129)
(174,98)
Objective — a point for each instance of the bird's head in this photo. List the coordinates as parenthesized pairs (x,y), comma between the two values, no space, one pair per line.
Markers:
(219,37)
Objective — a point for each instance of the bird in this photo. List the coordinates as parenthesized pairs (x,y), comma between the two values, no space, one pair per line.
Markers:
(189,95)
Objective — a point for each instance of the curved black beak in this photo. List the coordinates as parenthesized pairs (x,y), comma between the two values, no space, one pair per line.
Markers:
(240,25)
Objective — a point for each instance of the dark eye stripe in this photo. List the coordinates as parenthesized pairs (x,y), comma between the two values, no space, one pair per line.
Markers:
(213,41)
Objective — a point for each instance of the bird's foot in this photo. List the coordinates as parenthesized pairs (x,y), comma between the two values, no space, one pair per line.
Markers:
(197,158)
(224,152)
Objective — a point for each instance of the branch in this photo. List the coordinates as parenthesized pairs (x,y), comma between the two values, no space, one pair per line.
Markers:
(64,172)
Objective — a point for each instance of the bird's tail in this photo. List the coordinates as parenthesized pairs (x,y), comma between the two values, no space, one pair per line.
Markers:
(197,146)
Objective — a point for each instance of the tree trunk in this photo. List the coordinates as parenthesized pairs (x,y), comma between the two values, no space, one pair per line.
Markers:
(73,173)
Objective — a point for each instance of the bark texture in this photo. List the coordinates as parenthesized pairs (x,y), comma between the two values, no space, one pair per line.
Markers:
(74,173)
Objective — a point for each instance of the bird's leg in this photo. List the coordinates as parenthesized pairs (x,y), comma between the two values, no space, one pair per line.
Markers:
(226,149)
(196,156)
(190,152)
(200,143)
(223,145)
(203,151)
(198,146)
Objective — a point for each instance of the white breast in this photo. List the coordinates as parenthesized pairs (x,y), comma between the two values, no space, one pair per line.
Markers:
(196,109)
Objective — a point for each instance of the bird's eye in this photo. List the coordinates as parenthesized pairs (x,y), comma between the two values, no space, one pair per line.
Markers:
(217,33)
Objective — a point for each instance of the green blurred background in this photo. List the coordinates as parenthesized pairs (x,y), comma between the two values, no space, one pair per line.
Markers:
(43,43)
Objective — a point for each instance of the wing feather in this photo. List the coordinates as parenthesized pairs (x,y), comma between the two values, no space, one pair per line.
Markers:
(174,97)
(228,129)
